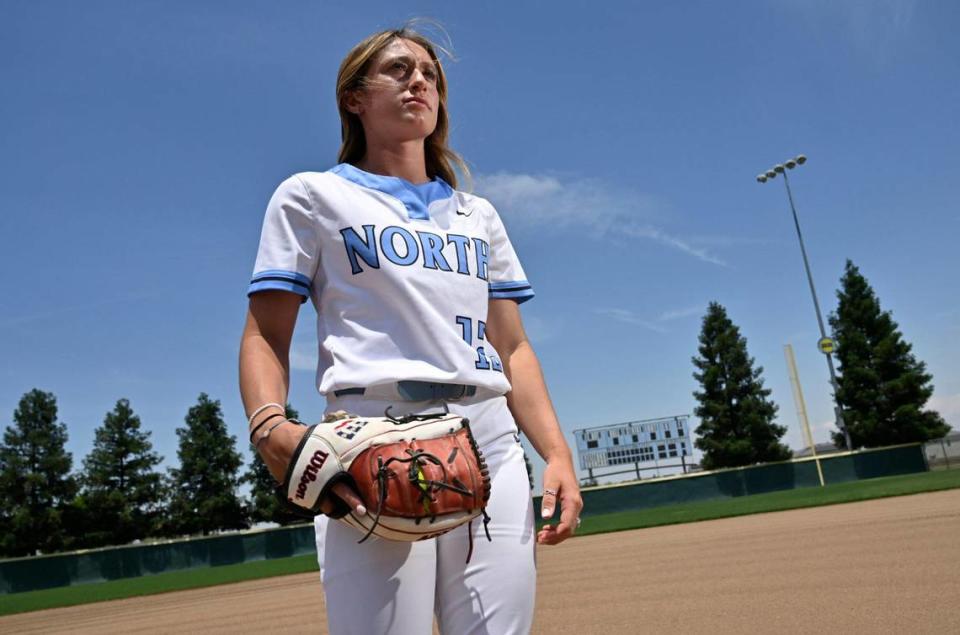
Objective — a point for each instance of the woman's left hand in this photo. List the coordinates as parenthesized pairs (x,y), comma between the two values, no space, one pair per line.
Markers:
(560,484)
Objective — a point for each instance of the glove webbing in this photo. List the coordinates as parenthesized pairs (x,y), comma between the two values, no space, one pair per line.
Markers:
(416,460)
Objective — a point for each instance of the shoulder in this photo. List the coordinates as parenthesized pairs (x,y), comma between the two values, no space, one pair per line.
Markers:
(311,183)
(314,191)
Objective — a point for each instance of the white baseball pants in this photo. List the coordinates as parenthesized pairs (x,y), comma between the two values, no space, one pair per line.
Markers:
(382,586)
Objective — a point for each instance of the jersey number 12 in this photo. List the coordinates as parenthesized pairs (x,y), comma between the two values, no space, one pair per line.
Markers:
(483,361)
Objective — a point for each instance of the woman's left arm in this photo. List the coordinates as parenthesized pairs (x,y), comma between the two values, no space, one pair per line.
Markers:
(529,402)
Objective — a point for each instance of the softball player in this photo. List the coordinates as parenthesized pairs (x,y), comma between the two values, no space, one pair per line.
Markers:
(416,287)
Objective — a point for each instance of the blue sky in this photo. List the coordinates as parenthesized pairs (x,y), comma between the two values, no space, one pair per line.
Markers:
(620,141)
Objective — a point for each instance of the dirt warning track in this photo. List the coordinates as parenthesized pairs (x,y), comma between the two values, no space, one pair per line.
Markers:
(888,565)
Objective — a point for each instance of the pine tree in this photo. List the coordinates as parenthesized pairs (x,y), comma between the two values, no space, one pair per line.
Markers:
(35,480)
(121,490)
(264,504)
(736,415)
(203,490)
(883,388)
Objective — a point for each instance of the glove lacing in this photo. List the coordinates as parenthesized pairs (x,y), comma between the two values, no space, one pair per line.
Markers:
(413,473)
(416,460)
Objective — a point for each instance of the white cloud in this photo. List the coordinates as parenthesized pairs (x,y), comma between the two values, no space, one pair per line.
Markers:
(949,313)
(677,314)
(875,27)
(727,241)
(822,431)
(539,329)
(948,406)
(303,356)
(601,209)
(629,317)
(647,231)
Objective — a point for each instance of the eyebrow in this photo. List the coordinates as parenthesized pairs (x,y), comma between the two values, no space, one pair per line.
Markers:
(403,57)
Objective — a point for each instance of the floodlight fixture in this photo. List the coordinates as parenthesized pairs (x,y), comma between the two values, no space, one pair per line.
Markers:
(782,168)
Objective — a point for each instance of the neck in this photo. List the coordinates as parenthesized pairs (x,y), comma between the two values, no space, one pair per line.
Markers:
(404,159)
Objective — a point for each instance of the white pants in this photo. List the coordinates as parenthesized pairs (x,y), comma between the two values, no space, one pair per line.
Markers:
(396,587)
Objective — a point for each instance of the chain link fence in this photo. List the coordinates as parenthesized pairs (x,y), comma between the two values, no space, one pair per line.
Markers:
(943,454)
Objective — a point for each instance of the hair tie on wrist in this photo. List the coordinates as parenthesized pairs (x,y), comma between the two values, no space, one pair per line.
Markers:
(261,409)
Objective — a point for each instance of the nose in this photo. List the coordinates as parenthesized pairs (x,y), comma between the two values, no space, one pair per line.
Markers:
(417,80)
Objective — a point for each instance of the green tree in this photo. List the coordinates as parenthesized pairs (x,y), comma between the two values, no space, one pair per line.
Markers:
(736,414)
(883,388)
(264,504)
(121,491)
(35,479)
(203,490)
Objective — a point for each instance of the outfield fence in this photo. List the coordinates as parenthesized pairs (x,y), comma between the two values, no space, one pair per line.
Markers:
(944,453)
(840,467)
(113,563)
(132,561)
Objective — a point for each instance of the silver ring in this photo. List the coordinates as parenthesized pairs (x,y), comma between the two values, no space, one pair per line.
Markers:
(551,492)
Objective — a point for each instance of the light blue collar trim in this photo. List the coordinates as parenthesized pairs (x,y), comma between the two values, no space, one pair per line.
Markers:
(416,198)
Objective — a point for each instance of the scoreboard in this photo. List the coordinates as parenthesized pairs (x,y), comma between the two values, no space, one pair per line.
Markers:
(633,442)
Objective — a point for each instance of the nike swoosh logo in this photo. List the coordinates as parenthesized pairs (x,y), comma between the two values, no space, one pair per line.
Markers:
(460,212)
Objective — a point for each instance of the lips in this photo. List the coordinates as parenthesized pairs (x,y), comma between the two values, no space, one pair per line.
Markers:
(416,100)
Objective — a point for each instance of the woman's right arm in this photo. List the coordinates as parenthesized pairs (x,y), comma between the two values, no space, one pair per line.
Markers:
(265,378)
(265,370)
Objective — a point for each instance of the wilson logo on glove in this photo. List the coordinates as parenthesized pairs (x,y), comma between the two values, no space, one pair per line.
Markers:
(310,472)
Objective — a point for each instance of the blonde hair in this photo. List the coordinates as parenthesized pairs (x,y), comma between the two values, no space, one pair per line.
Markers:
(439,158)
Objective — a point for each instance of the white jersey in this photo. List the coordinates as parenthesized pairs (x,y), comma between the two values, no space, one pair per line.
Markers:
(400,275)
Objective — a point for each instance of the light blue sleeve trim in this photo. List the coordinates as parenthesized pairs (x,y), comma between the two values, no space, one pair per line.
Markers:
(520,295)
(293,276)
(280,280)
(511,284)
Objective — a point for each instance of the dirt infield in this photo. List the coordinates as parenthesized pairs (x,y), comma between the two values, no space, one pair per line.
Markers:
(890,565)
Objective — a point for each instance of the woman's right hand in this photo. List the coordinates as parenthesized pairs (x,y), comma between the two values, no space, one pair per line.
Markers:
(277,451)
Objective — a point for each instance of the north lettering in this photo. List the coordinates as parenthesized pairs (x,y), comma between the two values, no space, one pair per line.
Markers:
(400,247)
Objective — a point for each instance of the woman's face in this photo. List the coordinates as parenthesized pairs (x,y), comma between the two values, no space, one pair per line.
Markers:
(400,99)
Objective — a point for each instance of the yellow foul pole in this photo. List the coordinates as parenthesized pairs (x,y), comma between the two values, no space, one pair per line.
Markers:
(801,406)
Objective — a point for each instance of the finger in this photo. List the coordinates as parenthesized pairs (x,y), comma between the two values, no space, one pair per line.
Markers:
(555,534)
(350,498)
(549,501)
(568,520)
(548,536)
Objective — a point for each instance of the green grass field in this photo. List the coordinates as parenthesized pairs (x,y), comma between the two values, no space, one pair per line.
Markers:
(147,585)
(672,514)
(773,502)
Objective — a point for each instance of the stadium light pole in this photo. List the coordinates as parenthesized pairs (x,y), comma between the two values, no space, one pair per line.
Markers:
(825,344)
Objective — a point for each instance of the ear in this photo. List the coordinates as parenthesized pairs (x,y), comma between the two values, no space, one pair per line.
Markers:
(353,102)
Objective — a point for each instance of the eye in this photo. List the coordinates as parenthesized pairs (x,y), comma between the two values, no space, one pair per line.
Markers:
(430,73)
(400,66)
